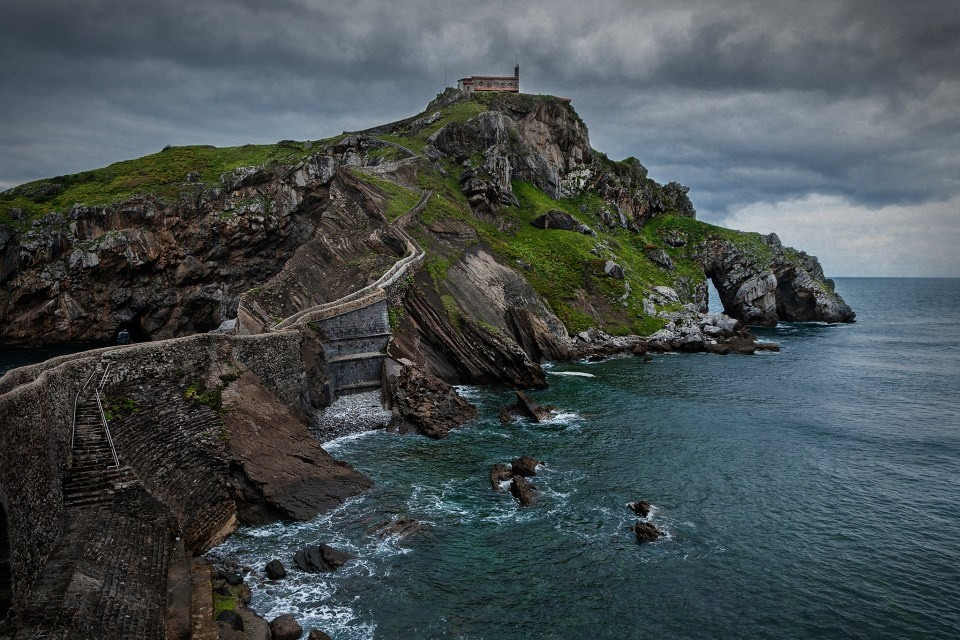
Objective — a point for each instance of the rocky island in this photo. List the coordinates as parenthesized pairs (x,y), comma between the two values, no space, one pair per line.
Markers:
(467,244)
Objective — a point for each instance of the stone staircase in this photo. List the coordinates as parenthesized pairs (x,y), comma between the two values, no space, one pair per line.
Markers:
(92,477)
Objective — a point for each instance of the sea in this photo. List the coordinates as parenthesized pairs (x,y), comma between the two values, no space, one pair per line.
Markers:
(810,493)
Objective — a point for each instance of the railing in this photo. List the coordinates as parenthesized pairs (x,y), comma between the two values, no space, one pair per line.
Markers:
(414,254)
(103,416)
(76,402)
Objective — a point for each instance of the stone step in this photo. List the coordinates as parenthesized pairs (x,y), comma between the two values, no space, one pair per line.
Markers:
(358,356)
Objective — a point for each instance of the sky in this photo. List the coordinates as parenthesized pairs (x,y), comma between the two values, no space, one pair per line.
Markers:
(835,124)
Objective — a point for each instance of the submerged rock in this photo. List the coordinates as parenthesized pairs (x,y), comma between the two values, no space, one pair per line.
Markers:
(321,558)
(399,528)
(523,491)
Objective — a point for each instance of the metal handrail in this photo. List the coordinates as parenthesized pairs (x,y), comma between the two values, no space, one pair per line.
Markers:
(103,416)
(76,402)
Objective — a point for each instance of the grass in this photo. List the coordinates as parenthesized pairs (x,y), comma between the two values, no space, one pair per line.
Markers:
(199,392)
(399,199)
(697,232)
(162,174)
(223,603)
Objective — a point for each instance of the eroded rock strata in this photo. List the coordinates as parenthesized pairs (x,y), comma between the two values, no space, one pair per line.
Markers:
(466,244)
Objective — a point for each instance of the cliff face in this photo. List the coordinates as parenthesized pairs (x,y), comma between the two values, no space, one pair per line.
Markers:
(530,237)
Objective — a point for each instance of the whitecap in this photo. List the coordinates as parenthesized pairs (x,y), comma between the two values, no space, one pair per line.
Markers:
(579,374)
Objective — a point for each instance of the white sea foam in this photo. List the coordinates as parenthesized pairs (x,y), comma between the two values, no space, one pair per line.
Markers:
(331,445)
(579,374)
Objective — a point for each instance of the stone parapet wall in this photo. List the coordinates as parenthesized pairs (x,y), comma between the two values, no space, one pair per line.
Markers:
(35,425)
(36,419)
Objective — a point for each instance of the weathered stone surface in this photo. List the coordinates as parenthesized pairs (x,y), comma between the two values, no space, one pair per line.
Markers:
(641,508)
(275,570)
(527,407)
(646,532)
(321,558)
(231,619)
(613,270)
(524,466)
(285,627)
(523,491)
(556,219)
(254,627)
(292,475)
(499,473)
(316,634)
(427,403)
(789,285)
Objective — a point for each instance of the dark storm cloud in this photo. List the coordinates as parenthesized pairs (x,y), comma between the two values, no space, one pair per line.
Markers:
(745,101)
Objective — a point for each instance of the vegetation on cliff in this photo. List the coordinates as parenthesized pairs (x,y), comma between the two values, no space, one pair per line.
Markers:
(633,258)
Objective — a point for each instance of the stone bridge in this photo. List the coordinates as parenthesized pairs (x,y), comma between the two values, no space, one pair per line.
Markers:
(90,552)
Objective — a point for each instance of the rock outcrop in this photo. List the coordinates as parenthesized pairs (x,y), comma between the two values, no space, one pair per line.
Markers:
(764,287)
(321,559)
(426,403)
(646,532)
(523,491)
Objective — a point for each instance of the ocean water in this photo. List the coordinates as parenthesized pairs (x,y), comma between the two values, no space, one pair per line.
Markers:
(810,493)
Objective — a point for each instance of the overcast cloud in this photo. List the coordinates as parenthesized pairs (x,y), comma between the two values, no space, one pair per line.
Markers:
(834,123)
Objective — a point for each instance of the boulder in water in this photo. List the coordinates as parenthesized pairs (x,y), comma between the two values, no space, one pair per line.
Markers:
(523,491)
(524,466)
(526,407)
(646,532)
(285,627)
(498,473)
(641,508)
(321,558)
(275,570)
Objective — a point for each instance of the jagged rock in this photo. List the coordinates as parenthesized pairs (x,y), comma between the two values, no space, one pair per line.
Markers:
(523,491)
(285,627)
(231,619)
(646,532)
(231,578)
(641,508)
(426,402)
(555,219)
(321,558)
(254,627)
(528,408)
(613,270)
(505,417)
(275,570)
(524,466)
(499,473)
(789,285)
(660,258)
(316,634)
